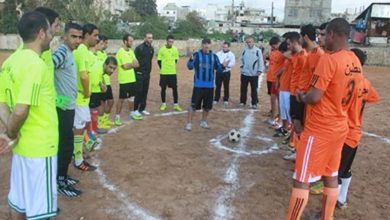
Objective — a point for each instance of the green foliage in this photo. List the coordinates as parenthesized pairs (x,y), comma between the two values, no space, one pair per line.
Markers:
(145,8)
(220,36)
(268,34)
(130,15)
(192,27)
(158,26)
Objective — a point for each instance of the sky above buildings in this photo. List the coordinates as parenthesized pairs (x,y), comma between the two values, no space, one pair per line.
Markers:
(337,5)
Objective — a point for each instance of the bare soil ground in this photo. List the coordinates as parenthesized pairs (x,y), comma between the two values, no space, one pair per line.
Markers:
(154,168)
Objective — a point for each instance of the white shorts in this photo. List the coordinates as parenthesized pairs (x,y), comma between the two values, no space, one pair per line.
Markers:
(33,186)
(284,102)
(82,117)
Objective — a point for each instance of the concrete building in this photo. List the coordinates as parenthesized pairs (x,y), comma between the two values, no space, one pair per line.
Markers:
(298,12)
(114,6)
(173,12)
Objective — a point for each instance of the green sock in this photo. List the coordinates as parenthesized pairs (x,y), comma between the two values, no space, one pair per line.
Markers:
(78,149)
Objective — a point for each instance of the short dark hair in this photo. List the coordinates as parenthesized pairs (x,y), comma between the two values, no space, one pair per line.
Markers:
(274,40)
(72,25)
(310,31)
(103,38)
(170,37)
(126,36)
(148,33)
(89,28)
(283,47)
(294,36)
(206,41)
(50,14)
(226,43)
(286,35)
(339,26)
(360,54)
(30,24)
(323,26)
(111,60)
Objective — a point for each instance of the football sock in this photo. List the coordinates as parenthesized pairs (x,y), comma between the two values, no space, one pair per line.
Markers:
(78,149)
(298,202)
(344,189)
(329,199)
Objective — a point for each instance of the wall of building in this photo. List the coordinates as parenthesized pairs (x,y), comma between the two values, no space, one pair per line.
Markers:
(307,11)
(376,55)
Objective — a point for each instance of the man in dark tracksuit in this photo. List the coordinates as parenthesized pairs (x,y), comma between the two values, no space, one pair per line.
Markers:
(144,54)
(252,65)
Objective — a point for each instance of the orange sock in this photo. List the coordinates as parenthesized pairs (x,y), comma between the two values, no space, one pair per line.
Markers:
(329,199)
(298,202)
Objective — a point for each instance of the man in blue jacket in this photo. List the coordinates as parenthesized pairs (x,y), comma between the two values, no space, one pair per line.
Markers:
(205,63)
(252,65)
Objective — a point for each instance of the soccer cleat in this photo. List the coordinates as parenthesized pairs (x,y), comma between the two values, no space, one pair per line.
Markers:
(188,127)
(91,144)
(135,116)
(290,157)
(118,121)
(254,106)
(163,107)
(177,108)
(146,113)
(215,102)
(71,181)
(85,166)
(203,124)
(281,132)
(317,188)
(226,104)
(242,105)
(341,205)
(103,126)
(68,190)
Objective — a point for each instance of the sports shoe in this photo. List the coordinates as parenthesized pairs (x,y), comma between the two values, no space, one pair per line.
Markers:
(163,107)
(118,121)
(317,188)
(188,127)
(254,106)
(103,126)
(68,190)
(281,132)
(215,102)
(135,116)
(85,166)
(203,124)
(290,157)
(101,130)
(226,103)
(146,113)
(108,122)
(91,144)
(341,205)
(177,108)
(242,105)
(71,181)
(287,139)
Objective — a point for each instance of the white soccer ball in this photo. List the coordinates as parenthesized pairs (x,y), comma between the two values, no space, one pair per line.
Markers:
(234,135)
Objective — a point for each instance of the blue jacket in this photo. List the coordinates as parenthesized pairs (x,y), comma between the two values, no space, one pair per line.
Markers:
(204,65)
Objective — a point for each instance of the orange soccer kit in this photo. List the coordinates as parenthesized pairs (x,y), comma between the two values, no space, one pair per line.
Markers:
(326,128)
(276,63)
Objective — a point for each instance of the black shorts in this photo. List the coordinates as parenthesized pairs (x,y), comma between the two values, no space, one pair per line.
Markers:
(347,156)
(108,94)
(269,87)
(127,90)
(168,80)
(202,98)
(96,100)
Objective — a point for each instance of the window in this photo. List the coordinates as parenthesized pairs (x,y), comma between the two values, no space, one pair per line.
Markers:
(293,12)
(315,13)
(167,12)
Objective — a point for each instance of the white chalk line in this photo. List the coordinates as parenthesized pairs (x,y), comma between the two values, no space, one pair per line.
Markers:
(134,210)
(384,139)
(164,114)
(217,143)
(223,208)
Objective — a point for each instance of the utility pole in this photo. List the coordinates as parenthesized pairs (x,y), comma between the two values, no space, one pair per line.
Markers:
(272,15)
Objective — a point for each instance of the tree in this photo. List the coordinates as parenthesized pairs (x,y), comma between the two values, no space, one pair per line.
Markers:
(156,25)
(130,15)
(192,27)
(145,8)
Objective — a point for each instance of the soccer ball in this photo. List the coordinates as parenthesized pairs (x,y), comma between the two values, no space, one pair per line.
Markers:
(234,135)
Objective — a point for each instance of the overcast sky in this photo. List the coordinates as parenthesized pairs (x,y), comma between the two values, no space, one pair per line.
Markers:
(337,5)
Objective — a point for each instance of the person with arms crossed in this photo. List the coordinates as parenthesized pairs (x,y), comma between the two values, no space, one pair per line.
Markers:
(227,58)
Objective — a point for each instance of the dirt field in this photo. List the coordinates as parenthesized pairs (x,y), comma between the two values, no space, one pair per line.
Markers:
(154,169)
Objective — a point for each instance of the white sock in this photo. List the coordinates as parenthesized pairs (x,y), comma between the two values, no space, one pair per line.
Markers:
(117,116)
(78,162)
(344,189)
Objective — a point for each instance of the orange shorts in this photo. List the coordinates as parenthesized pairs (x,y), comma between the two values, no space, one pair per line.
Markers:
(317,157)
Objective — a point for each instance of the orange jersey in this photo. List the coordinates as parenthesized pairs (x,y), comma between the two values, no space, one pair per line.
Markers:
(311,63)
(328,118)
(363,93)
(298,62)
(286,76)
(276,62)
